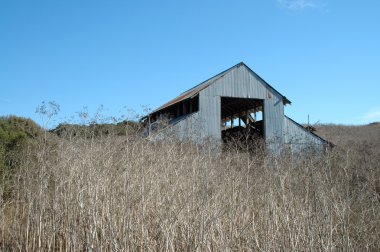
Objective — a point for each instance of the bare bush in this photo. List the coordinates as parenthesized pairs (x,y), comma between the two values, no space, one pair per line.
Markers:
(127,194)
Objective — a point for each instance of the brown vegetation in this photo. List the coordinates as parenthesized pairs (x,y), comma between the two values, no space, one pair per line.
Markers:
(356,138)
(124,193)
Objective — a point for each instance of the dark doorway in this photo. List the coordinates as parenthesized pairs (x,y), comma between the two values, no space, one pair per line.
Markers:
(242,122)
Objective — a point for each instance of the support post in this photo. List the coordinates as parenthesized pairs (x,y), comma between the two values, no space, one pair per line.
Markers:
(246,119)
(184,108)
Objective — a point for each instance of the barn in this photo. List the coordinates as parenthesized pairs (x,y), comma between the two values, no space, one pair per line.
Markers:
(234,102)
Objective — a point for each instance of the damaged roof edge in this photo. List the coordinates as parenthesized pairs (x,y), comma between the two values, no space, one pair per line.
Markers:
(192,92)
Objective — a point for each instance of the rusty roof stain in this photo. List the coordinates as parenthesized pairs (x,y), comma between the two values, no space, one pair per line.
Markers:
(191,93)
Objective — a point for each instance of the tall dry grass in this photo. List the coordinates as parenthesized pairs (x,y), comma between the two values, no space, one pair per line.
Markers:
(127,194)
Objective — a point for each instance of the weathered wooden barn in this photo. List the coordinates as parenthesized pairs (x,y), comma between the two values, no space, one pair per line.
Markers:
(234,102)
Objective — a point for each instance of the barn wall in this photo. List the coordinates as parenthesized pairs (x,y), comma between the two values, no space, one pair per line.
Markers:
(183,128)
(297,138)
(273,124)
(187,128)
(240,82)
(210,116)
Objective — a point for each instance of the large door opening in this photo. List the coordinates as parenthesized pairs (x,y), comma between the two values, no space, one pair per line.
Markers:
(242,122)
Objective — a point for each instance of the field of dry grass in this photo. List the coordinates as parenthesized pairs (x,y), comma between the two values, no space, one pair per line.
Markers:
(127,194)
(364,138)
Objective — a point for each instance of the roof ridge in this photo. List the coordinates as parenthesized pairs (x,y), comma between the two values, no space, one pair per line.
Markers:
(221,73)
(192,92)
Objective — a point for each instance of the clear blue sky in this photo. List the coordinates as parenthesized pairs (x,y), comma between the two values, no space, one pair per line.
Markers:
(323,55)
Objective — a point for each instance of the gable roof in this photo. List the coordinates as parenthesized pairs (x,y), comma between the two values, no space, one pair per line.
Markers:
(194,91)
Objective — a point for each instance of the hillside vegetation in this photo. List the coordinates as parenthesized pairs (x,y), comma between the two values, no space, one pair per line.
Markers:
(16,136)
(364,139)
(96,130)
(125,193)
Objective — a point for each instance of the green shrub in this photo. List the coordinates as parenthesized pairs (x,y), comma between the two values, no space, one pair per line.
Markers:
(96,130)
(15,135)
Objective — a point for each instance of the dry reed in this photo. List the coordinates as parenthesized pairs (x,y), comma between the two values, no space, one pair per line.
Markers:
(127,194)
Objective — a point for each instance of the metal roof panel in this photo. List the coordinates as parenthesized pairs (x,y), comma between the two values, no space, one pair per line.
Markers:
(198,88)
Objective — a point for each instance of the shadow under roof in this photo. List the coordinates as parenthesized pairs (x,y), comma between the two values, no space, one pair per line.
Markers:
(194,91)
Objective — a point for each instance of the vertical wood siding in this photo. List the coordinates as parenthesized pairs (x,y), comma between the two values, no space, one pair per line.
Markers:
(241,83)
(187,128)
(297,138)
